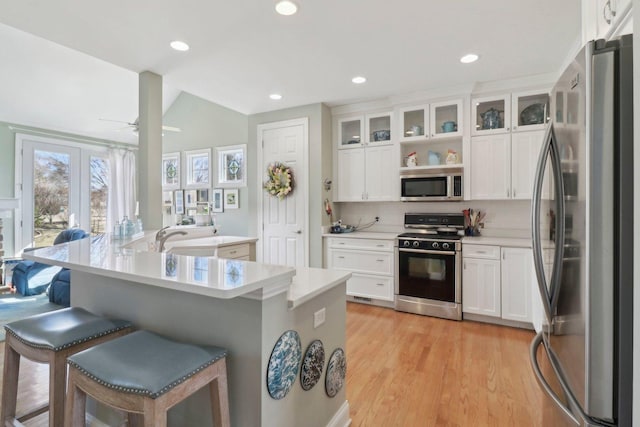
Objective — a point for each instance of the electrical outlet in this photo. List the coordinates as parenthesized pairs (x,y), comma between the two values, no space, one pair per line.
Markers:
(319,317)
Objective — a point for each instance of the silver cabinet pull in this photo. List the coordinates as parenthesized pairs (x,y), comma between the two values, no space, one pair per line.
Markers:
(340,257)
(380,246)
(379,284)
(380,260)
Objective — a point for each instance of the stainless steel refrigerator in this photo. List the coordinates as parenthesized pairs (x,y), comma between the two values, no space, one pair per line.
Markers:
(587,289)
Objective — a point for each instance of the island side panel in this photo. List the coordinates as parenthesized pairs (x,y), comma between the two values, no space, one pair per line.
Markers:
(312,408)
(234,324)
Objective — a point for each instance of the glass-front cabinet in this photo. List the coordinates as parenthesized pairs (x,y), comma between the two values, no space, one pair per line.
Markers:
(351,132)
(378,129)
(529,111)
(414,123)
(490,115)
(446,119)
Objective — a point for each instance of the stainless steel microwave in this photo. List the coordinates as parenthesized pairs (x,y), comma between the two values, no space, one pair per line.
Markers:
(431,185)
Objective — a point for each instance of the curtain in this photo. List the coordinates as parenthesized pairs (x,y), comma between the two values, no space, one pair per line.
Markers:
(122,186)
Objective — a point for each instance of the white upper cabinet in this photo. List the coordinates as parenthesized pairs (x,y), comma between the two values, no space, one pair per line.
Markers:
(350,177)
(491,167)
(351,132)
(378,128)
(529,111)
(413,123)
(525,149)
(491,115)
(446,119)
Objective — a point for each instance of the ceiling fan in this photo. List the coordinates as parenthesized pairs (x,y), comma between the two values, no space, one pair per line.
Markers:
(134,125)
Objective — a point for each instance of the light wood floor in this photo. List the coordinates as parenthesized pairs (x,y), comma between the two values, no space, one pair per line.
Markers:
(409,370)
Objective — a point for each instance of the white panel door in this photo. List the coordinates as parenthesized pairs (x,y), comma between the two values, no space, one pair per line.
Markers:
(284,221)
(525,149)
(491,167)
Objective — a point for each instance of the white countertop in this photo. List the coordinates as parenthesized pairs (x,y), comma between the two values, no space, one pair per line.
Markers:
(310,282)
(504,241)
(208,242)
(209,276)
(364,235)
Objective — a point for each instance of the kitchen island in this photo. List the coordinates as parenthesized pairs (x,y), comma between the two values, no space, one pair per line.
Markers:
(240,305)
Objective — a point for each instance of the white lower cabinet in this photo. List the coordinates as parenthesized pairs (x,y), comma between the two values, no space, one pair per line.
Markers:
(517,266)
(496,282)
(481,280)
(371,262)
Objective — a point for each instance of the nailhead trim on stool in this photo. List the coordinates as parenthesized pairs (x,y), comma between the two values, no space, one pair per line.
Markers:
(158,371)
(50,338)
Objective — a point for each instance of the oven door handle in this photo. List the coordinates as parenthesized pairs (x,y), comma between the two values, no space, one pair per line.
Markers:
(422,251)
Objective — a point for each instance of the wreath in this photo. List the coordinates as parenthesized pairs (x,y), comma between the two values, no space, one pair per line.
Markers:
(280,182)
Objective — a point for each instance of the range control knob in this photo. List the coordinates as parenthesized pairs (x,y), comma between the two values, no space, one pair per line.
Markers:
(416,244)
(445,246)
(406,243)
(435,245)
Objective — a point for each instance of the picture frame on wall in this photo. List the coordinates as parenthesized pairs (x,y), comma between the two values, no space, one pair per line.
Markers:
(190,198)
(217,200)
(231,200)
(232,168)
(179,202)
(198,168)
(203,195)
(171,171)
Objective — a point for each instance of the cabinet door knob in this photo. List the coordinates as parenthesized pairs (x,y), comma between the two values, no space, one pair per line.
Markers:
(299,232)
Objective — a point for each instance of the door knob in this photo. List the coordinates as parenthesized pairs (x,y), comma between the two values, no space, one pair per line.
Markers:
(299,232)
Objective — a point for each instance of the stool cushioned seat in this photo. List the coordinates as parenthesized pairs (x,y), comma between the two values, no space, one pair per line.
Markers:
(60,329)
(153,364)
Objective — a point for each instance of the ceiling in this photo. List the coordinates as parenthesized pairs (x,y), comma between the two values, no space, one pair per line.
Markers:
(69,62)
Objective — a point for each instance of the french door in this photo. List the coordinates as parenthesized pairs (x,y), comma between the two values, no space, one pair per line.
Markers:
(63,185)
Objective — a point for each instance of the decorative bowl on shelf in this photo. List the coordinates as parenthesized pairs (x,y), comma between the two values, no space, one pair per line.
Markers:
(449,126)
(381,135)
(532,115)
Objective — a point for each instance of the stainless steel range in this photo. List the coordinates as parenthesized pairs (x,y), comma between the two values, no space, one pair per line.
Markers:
(428,265)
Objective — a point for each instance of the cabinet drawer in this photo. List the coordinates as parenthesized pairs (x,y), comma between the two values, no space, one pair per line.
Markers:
(368,244)
(481,251)
(377,287)
(234,251)
(364,262)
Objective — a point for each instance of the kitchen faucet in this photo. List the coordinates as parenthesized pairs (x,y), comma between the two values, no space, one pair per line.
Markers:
(164,237)
(161,233)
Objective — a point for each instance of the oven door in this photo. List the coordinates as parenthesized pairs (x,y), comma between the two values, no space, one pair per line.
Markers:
(425,274)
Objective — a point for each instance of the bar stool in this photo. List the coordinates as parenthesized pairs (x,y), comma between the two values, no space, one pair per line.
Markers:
(50,338)
(146,374)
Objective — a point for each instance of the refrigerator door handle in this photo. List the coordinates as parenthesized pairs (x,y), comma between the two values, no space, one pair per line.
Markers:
(549,294)
(533,350)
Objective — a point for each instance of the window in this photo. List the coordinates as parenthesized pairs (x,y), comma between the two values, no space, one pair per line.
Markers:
(198,168)
(99,193)
(232,169)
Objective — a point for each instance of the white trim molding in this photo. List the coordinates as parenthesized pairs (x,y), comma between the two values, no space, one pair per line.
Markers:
(341,418)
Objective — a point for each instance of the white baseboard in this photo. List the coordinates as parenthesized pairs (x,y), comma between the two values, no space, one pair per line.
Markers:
(341,418)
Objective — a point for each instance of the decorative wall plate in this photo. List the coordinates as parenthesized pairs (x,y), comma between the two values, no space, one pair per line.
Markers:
(312,365)
(336,372)
(283,364)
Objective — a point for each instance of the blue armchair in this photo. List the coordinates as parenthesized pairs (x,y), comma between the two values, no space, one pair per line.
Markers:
(33,278)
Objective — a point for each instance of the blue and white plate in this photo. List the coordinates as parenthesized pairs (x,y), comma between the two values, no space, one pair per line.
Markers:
(336,372)
(283,364)
(312,365)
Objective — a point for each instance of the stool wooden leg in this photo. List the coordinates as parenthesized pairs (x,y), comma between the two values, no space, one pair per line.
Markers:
(135,420)
(76,404)
(154,415)
(220,396)
(57,386)
(9,381)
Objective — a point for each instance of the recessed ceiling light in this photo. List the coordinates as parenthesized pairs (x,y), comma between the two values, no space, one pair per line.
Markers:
(359,80)
(286,7)
(275,96)
(468,59)
(178,45)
